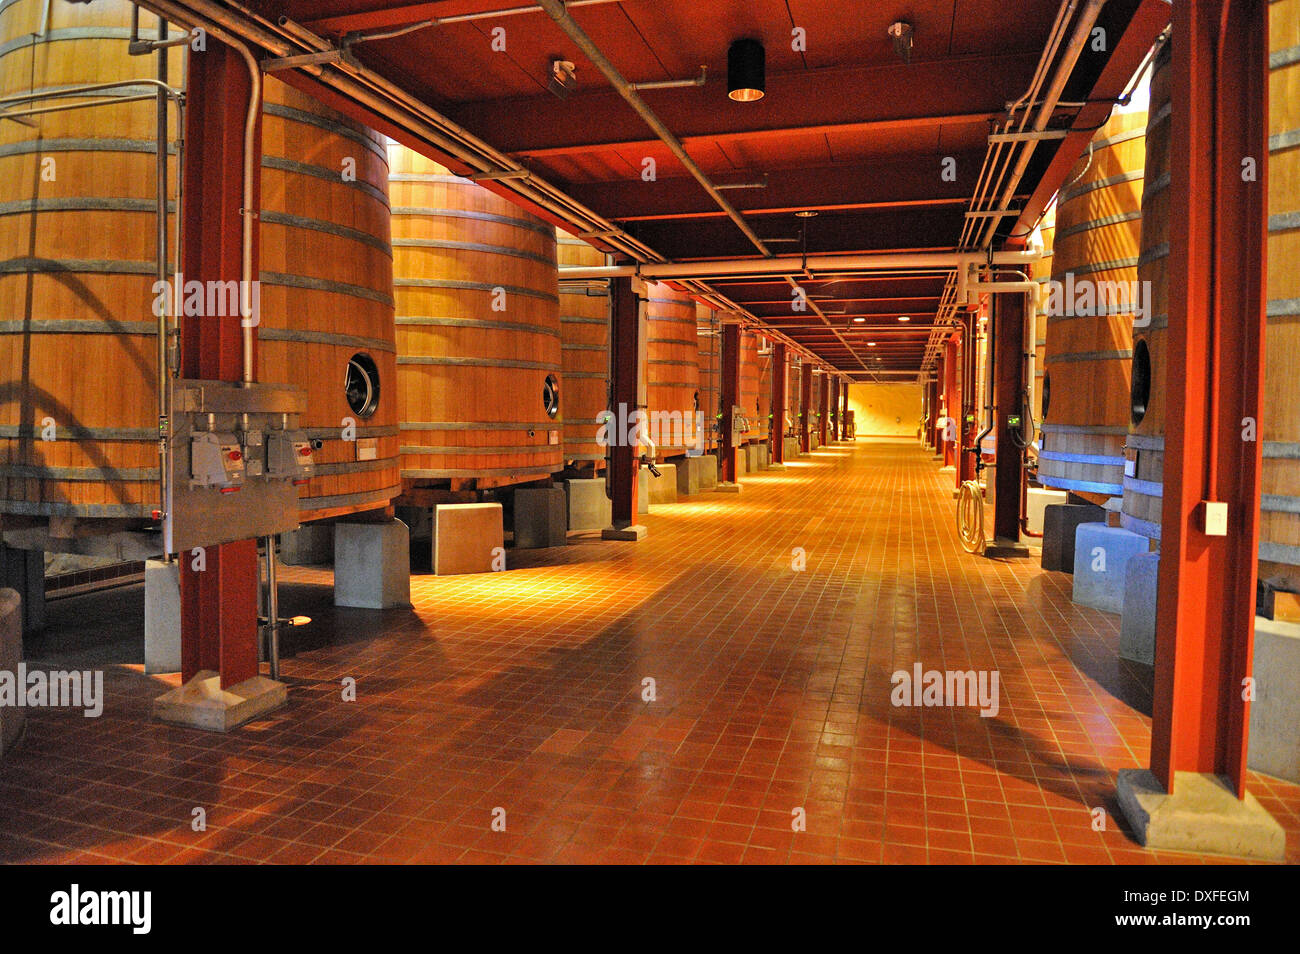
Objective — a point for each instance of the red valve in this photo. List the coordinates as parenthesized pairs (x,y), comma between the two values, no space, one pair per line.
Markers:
(304,452)
(234,455)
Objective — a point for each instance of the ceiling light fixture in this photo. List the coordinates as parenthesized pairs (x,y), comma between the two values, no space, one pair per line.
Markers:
(871,344)
(563,78)
(746,71)
(859,320)
(806,213)
(904,318)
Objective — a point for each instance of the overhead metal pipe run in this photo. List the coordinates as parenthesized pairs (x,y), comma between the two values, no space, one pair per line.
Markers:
(791,265)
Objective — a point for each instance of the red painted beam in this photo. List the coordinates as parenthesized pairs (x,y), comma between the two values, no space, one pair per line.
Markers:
(805,408)
(1009,387)
(1206,593)
(808,103)
(625,391)
(823,412)
(952,400)
(779,365)
(730,395)
(219,603)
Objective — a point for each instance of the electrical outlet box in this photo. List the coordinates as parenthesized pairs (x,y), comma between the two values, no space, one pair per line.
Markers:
(288,455)
(1215,516)
(216,460)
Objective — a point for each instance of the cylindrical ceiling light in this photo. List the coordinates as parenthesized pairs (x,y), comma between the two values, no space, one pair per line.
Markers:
(746,71)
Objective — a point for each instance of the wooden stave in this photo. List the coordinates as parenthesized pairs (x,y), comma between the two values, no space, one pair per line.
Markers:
(672,363)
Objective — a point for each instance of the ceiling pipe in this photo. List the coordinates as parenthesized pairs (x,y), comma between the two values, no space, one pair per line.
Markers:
(787,265)
(1073,50)
(625,89)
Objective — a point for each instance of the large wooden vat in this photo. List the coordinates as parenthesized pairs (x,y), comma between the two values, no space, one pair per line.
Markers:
(584,343)
(327,296)
(1279,424)
(672,369)
(478,331)
(709,348)
(77,331)
(1089,347)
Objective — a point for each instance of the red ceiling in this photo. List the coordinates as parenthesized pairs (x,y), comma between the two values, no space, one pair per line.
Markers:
(846,128)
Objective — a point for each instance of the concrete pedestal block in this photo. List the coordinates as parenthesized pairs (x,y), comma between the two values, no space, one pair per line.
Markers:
(753,462)
(1137,628)
(708,465)
(688,476)
(742,463)
(791,448)
(631,534)
(661,489)
(1275,713)
(162,616)
(202,704)
(312,544)
(764,456)
(1036,502)
(24,572)
(372,564)
(1101,557)
(541,517)
(12,718)
(1202,815)
(467,538)
(589,507)
(814,442)
(1059,524)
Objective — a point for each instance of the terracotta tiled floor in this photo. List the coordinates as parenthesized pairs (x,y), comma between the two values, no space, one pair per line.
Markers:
(523,691)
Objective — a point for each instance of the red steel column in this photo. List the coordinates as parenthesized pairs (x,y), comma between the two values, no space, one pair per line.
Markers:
(805,407)
(730,388)
(1009,386)
(932,418)
(625,390)
(823,410)
(968,416)
(778,402)
(219,603)
(1206,604)
(951,400)
(834,422)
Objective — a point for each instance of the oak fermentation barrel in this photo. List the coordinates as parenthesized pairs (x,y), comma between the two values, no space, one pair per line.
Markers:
(764,403)
(327,296)
(1279,530)
(672,369)
(584,343)
(1145,451)
(708,336)
(478,331)
(1090,313)
(77,327)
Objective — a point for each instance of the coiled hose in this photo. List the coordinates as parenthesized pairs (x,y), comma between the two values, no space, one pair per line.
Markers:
(970,517)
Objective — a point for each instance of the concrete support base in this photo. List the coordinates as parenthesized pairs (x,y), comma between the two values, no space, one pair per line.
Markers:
(791,448)
(633,534)
(1101,557)
(753,458)
(662,489)
(312,544)
(1037,500)
(764,456)
(589,507)
(24,572)
(468,538)
(688,476)
(1202,815)
(708,471)
(202,704)
(727,487)
(742,463)
(13,720)
(372,565)
(541,517)
(1137,628)
(1059,524)
(776,467)
(162,616)
(1275,713)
